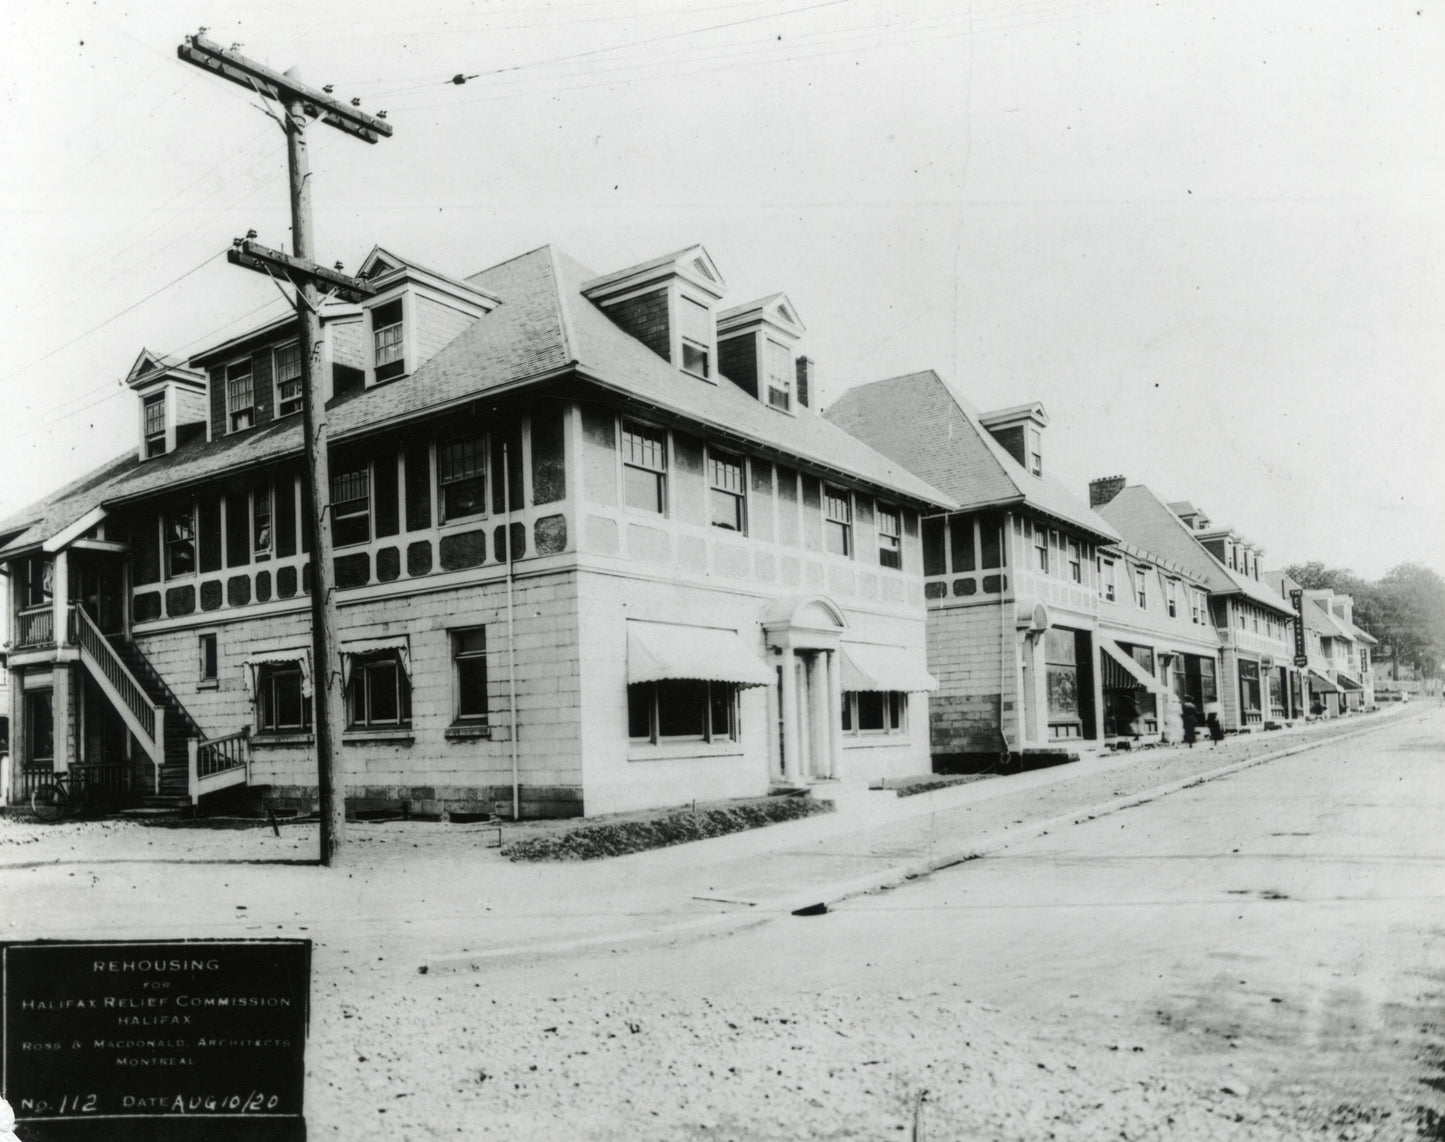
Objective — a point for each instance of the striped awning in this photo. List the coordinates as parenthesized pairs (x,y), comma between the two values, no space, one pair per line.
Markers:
(1319,684)
(1122,660)
(292,656)
(658,652)
(1346,682)
(869,666)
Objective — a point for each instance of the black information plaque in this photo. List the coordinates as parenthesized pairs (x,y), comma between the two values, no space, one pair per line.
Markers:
(172,1040)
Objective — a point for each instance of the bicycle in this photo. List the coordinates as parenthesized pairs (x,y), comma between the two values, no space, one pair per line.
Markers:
(64,794)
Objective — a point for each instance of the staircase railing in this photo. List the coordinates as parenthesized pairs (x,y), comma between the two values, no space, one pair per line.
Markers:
(87,635)
(219,762)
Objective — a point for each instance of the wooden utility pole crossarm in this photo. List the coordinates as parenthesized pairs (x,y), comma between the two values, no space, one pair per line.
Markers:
(300,105)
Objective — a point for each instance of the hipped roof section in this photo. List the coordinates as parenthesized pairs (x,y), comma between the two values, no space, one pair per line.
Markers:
(920,421)
(544,328)
(1144,519)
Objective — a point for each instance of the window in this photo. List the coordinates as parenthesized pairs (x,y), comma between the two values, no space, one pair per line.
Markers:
(288,379)
(180,541)
(469,675)
(890,538)
(39,729)
(1249,694)
(350,507)
(875,712)
(960,542)
(1041,549)
(379,695)
(1036,456)
(1106,580)
(1076,567)
(695,322)
(240,401)
(838,520)
(388,345)
(154,412)
(644,467)
(39,582)
(1196,606)
(261,523)
(1141,587)
(208,658)
(778,363)
(726,477)
(1171,592)
(281,705)
(462,478)
(682,710)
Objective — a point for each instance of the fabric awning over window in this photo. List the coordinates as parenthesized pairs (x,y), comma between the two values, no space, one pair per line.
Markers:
(1322,685)
(658,652)
(868,666)
(295,656)
(1136,674)
(394,646)
(1347,683)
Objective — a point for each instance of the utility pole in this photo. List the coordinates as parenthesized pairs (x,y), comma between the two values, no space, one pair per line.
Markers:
(299,105)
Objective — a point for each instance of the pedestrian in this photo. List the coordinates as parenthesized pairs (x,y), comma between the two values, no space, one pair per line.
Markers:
(1190,719)
(1216,731)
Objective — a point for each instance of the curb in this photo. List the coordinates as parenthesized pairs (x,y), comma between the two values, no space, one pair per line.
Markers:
(816,902)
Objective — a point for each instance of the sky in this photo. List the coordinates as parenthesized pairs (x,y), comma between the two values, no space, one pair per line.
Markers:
(1208,237)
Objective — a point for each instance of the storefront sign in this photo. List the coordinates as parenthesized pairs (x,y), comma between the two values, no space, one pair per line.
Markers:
(183,1039)
(1297,600)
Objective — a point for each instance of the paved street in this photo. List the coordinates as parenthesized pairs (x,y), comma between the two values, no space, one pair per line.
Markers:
(1255,956)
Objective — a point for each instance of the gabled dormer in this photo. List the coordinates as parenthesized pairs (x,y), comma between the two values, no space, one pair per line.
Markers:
(1020,430)
(669,305)
(757,350)
(171,401)
(414,313)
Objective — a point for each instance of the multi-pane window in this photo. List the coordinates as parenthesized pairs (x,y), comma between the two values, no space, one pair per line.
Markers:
(728,490)
(875,712)
(180,524)
(350,506)
(469,675)
(1076,567)
(890,537)
(778,366)
(261,522)
(462,477)
(682,709)
(38,585)
(240,398)
(379,695)
(1041,549)
(1171,596)
(1141,586)
(838,520)
(154,412)
(1062,665)
(1036,456)
(208,662)
(288,379)
(1106,580)
(695,323)
(388,341)
(1196,606)
(644,467)
(281,704)
(1249,692)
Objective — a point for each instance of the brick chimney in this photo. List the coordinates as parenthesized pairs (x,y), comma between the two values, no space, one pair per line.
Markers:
(805,381)
(1103,490)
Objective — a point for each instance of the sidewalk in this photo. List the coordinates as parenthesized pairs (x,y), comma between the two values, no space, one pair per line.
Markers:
(875,839)
(438,898)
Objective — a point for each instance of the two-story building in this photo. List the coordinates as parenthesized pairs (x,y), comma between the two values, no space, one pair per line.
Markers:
(1010,575)
(1338,677)
(594,550)
(1258,684)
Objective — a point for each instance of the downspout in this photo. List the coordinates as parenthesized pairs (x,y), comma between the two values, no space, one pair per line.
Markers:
(511,641)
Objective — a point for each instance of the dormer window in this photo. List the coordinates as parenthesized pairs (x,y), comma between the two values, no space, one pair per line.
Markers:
(1036,455)
(388,341)
(779,369)
(288,379)
(155,424)
(240,397)
(695,321)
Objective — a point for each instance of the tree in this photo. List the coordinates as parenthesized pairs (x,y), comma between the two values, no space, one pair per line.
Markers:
(1412,606)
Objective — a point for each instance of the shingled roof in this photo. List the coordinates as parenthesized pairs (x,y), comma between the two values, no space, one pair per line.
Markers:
(1146,520)
(543,329)
(919,420)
